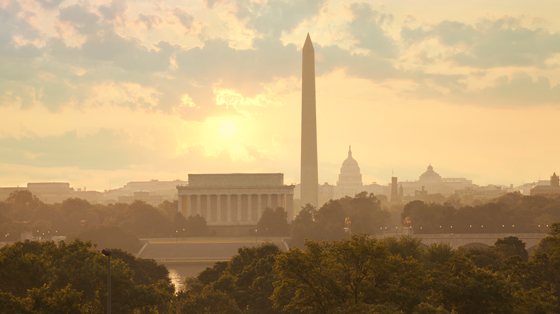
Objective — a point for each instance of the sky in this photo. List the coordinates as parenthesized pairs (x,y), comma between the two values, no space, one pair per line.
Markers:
(100,93)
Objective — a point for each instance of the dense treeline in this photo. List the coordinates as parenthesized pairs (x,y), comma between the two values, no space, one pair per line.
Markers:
(363,274)
(364,212)
(510,213)
(43,278)
(358,274)
(114,225)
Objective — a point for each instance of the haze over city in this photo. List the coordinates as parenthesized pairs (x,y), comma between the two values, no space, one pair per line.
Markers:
(106,92)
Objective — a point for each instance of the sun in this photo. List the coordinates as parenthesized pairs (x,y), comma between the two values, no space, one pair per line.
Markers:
(228,128)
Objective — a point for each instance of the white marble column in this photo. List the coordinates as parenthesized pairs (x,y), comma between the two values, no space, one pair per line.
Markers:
(188,204)
(259,205)
(180,204)
(228,207)
(208,207)
(219,207)
(238,208)
(249,207)
(198,212)
(269,205)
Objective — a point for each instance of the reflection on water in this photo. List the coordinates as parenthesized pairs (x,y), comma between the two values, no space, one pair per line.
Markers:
(179,271)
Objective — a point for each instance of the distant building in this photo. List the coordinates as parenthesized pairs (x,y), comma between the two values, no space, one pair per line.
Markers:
(485,192)
(159,191)
(51,192)
(395,190)
(553,188)
(326,192)
(5,192)
(430,182)
(235,198)
(143,196)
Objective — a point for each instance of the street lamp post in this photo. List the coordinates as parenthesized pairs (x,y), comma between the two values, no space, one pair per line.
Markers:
(255,236)
(107,253)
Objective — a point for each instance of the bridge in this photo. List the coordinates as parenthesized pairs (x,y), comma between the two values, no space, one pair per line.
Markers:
(476,239)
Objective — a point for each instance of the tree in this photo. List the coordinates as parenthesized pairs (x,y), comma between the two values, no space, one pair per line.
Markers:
(208,301)
(196,226)
(23,202)
(180,224)
(512,246)
(273,222)
(460,285)
(345,276)
(108,237)
(143,220)
(304,226)
(72,278)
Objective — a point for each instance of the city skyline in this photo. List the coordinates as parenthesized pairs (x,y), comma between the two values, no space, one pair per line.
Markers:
(111,92)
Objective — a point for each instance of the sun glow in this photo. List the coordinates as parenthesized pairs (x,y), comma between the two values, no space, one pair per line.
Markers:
(228,128)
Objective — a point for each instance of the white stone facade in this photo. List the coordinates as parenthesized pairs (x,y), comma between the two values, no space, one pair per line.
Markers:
(234,199)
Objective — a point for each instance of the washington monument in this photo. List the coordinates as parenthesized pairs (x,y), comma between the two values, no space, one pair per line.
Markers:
(309,167)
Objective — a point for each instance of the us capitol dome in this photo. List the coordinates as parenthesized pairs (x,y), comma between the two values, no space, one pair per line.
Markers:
(350,178)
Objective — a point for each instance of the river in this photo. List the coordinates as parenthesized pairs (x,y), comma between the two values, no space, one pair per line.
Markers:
(179,271)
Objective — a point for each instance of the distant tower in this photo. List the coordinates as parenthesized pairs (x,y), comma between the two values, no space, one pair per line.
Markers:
(309,166)
(554,180)
(394,190)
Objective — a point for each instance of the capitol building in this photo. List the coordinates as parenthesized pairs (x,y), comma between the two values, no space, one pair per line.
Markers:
(350,183)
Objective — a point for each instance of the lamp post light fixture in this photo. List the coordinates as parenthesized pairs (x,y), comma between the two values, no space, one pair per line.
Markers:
(107,253)
(255,236)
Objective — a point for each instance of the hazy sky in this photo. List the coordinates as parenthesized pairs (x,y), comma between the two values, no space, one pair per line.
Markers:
(93,92)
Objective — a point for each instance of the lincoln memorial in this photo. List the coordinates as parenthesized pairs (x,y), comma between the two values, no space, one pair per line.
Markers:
(234,198)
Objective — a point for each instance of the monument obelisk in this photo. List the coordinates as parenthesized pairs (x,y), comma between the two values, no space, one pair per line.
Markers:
(309,166)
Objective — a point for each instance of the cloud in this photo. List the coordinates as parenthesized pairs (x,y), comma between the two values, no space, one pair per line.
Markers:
(14,22)
(366,26)
(519,90)
(490,43)
(272,18)
(185,18)
(116,9)
(49,4)
(106,150)
(149,20)
(116,149)
(83,20)
(210,3)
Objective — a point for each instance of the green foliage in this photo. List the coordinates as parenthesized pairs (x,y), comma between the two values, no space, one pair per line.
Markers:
(247,280)
(328,223)
(208,301)
(461,286)
(196,226)
(108,237)
(273,222)
(42,277)
(511,246)
(66,218)
(143,220)
(330,277)
(510,213)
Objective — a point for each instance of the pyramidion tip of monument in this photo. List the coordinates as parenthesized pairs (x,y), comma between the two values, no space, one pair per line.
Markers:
(308,42)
